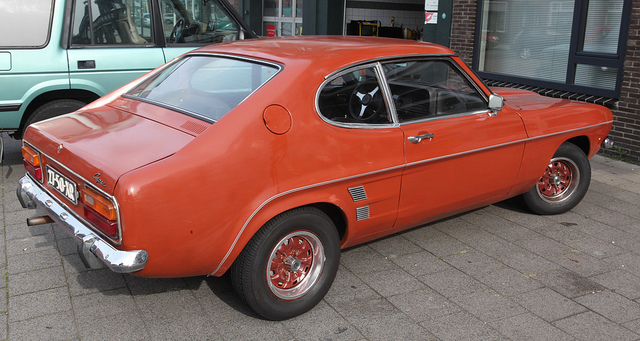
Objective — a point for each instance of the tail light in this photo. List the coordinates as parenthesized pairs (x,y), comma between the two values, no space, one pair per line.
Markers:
(100,211)
(32,162)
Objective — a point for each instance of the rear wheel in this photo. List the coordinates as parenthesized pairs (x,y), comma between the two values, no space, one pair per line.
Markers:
(289,264)
(563,184)
(53,109)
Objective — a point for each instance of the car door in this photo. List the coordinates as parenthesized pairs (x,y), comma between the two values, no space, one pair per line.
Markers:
(111,43)
(458,152)
(189,24)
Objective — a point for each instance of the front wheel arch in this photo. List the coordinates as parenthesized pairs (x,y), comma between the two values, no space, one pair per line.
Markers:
(563,184)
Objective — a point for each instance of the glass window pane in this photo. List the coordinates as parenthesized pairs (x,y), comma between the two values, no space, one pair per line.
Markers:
(204,87)
(270,8)
(197,22)
(603,26)
(286,29)
(526,38)
(354,97)
(428,89)
(596,76)
(286,8)
(298,8)
(111,22)
(16,14)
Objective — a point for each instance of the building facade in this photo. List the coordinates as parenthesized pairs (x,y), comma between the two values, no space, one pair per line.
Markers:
(613,37)
(586,50)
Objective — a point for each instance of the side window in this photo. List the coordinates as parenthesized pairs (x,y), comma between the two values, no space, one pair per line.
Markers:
(107,22)
(25,24)
(354,97)
(196,22)
(430,88)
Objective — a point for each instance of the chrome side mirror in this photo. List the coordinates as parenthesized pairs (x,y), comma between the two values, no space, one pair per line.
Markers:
(496,102)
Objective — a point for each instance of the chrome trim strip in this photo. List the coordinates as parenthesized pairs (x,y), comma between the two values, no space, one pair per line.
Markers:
(388,96)
(87,184)
(390,59)
(91,247)
(329,182)
(376,67)
(500,145)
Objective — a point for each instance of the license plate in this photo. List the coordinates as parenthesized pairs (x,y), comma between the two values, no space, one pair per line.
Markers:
(62,184)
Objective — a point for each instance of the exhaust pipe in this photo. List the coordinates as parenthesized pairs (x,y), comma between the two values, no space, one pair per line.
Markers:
(39,220)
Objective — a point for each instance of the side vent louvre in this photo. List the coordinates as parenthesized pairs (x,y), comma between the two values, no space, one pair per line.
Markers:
(362,213)
(358,193)
(194,127)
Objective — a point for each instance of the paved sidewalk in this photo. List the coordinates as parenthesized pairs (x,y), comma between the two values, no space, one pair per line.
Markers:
(496,273)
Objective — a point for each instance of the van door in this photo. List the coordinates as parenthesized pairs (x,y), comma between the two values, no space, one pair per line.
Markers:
(189,24)
(111,44)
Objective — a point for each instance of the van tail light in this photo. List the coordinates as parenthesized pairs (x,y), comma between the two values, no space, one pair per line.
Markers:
(32,162)
(100,211)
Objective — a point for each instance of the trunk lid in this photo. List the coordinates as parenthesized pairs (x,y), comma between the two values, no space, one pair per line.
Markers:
(103,144)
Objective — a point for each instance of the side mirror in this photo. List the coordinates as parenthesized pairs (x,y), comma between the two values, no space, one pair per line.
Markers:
(496,102)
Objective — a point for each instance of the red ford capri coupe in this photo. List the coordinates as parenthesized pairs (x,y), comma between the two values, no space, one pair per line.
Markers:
(266,157)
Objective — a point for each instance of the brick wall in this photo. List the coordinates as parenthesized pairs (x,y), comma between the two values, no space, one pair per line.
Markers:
(463,26)
(626,125)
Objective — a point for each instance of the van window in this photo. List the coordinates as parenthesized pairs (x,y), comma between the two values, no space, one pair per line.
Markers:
(108,22)
(15,13)
(196,22)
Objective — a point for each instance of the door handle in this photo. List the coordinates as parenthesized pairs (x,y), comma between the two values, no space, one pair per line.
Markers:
(86,64)
(419,138)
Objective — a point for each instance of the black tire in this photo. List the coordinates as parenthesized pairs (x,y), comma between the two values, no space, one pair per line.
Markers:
(53,109)
(272,278)
(564,183)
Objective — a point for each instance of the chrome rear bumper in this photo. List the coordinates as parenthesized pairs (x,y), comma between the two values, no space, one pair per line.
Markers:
(93,249)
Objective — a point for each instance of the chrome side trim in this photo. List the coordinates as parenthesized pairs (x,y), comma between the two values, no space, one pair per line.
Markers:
(402,166)
(93,250)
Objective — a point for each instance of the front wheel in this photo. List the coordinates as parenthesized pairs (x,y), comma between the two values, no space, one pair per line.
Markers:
(563,184)
(289,264)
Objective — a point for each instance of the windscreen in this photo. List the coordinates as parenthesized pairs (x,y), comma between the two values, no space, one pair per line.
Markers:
(206,87)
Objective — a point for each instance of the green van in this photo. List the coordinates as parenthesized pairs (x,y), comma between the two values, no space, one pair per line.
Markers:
(58,55)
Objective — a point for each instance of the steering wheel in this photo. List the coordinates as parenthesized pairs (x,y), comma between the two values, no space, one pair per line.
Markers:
(366,100)
(176,32)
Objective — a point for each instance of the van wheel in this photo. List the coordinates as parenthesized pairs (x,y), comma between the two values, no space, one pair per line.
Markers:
(53,109)
(563,184)
(289,264)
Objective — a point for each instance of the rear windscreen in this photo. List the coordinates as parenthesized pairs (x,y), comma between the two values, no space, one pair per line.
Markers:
(25,23)
(206,87)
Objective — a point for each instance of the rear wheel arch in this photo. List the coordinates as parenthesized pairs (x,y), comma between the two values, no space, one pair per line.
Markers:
(83,96)
(288,265)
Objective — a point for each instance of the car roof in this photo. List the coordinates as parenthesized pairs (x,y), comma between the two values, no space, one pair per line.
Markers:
(328,51)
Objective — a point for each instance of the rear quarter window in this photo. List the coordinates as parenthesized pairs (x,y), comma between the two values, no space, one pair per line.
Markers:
(205,87)
(25,23)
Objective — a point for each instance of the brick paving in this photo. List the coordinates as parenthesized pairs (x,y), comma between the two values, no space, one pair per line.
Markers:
(497,273)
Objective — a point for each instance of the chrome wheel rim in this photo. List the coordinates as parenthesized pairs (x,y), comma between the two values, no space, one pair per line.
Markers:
(559,181)
(295,264)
